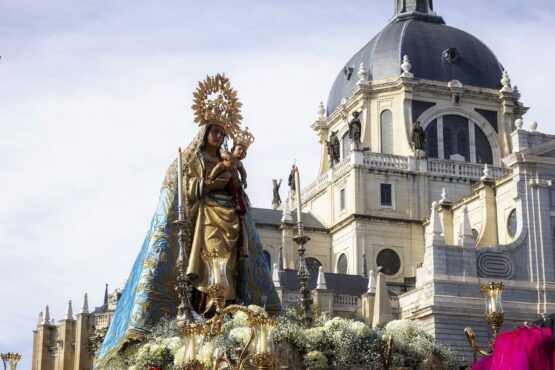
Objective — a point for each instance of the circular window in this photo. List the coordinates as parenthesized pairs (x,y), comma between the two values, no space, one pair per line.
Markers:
(312,264)
(511,223)
(342,264)
(389,261)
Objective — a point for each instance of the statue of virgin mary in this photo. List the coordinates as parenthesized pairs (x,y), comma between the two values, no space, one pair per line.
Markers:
(217,226)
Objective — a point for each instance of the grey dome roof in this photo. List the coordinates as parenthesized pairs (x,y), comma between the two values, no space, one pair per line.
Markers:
(423,39)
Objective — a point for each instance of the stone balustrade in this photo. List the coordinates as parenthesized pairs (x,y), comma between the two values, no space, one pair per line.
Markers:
(472,171)
(342,302)
(102,321)
(398,163)
(386,161)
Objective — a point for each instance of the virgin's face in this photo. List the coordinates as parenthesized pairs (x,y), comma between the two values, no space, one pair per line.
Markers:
(215,136)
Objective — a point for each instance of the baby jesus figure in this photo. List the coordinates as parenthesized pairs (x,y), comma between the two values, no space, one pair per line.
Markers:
(231,168)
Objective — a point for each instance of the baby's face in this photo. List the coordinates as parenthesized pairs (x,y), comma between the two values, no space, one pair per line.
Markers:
(240,152)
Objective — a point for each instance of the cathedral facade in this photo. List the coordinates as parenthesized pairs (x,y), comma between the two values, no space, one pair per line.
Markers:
(445,188)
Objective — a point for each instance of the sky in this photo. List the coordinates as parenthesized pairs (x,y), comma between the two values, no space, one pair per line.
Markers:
(95,98)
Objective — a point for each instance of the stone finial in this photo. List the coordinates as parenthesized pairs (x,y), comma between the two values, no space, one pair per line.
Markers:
(69,311)
(362,74)
(85,305)
(41,318)
(275,276)
(466,238)
(506,82)
(321,111)
(106,295)
(406,67)
(487,176)
(321,282)
(52,322)
(371,283)
(435,231)
(382,306)
(286,216)
(46,317)
(533,126)
(519,123)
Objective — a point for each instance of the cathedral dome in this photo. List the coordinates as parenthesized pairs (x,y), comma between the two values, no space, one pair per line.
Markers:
(436,51)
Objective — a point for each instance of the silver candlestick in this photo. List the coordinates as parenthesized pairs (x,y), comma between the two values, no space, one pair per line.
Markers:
(183,225)
(301,239)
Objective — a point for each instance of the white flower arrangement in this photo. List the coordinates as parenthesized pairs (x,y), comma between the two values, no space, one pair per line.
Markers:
(335,342)
(173,343)
(153,355)
(241,334)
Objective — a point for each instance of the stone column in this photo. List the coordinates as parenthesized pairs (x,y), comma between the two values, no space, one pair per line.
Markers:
(83,329)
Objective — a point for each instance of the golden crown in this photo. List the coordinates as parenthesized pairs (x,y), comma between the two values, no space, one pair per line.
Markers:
(244,138)
(216,103)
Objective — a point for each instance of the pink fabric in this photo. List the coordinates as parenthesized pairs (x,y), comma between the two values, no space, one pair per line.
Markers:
(523,349)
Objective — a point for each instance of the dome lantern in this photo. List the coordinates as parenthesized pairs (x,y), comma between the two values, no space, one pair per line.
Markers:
(419,9)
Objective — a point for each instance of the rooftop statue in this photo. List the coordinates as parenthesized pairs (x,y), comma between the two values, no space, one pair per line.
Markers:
(418,139)
(333,148)
(355,127)
(211,198)
(276,199)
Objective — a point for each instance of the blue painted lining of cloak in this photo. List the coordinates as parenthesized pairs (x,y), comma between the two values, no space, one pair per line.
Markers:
(149,293)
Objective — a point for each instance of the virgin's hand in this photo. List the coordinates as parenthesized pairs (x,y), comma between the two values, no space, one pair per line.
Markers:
(216,184)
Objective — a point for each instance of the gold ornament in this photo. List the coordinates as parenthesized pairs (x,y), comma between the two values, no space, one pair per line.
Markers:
(210,256)
(264,360)
(244,138)
(216,103)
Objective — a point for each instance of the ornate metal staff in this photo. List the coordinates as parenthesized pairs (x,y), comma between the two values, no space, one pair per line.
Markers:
(301,239)
(182,224)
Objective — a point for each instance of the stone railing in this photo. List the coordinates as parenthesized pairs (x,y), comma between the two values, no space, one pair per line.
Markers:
(386,161)
(342,167)
(102,321)
(399,163)
(342,302)
(315,187)
(471,171)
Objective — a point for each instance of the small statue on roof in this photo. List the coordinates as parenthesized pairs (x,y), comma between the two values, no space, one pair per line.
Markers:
(355,127)
(276,200)
(333,148)
(418,139)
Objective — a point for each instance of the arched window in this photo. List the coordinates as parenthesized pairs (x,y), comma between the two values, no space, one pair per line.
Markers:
(431,139)
(342,267)
(483,149)
(312,264)
(386,129)
(455,137)
(463,140)
(511,223)
(345,145)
